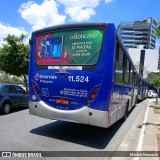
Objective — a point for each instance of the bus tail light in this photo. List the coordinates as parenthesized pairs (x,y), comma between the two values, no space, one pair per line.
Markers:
(36,89)
(93,94)
(96,89)
(34,85)
(103,24)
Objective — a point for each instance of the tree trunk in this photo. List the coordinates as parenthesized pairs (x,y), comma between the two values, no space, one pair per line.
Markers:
(25,82)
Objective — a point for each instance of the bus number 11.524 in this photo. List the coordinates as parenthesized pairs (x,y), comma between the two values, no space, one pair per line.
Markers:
(78,79)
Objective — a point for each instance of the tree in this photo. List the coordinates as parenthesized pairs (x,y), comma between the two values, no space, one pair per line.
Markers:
(150,76)
(157,32)
(156,84)
(14,57)
(4,78)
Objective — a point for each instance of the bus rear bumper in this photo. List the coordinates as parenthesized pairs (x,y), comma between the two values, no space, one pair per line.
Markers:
(84,115)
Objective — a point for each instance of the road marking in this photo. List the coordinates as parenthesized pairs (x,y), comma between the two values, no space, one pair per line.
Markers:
(141,137)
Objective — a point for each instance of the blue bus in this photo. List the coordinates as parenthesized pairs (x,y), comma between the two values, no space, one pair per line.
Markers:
(144,86)
(81,73)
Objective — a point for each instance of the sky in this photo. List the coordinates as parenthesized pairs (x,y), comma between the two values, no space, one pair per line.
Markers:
(25,16)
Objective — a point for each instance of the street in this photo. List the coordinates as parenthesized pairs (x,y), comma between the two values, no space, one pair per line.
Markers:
(21,131)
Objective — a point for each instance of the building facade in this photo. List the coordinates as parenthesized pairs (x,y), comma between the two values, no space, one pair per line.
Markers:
(138,33)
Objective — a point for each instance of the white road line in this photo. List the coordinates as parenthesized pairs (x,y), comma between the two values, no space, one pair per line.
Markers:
(141,137)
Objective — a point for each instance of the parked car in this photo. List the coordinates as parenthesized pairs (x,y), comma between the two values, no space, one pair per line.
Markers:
(152,94)
(12,96)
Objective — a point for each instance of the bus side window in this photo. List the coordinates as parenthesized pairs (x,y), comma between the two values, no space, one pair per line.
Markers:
(120,57)
(117,52)
(130,75)
(136,81)
(119,66)
(126,75)
(119,74)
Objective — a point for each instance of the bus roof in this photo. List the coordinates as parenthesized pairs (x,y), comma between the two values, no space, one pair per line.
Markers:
(68,26)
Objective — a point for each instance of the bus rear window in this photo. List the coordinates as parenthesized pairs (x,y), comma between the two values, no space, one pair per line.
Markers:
(74,47)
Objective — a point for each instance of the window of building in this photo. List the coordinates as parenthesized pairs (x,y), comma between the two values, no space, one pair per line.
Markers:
(154,22)
(124,33)
(128,29)
(152,40)
(153,45)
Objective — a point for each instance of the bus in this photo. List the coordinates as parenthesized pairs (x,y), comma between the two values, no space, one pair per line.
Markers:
(81,73)
(144,87)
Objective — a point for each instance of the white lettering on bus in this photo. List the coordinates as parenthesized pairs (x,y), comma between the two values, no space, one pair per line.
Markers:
(83,36)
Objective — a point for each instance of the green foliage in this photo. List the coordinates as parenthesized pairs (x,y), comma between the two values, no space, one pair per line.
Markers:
(16,80)
(150,76)
(154,79)
(156,82)
(7,79)
(157,32)
(14,56)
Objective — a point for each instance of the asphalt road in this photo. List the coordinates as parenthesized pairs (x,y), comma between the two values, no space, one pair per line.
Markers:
(20,131)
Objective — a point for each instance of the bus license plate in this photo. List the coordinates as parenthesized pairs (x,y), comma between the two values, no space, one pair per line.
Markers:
(62,101)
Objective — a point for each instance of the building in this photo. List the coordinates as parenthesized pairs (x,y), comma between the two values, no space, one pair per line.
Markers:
(138,33)
(145,60)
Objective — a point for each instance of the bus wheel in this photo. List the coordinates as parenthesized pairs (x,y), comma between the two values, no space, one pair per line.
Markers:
(126,112)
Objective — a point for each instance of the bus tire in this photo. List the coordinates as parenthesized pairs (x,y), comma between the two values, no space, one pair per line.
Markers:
(126,111)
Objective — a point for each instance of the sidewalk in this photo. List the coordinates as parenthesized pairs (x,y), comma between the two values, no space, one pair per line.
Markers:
(151,141)
(144,134)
